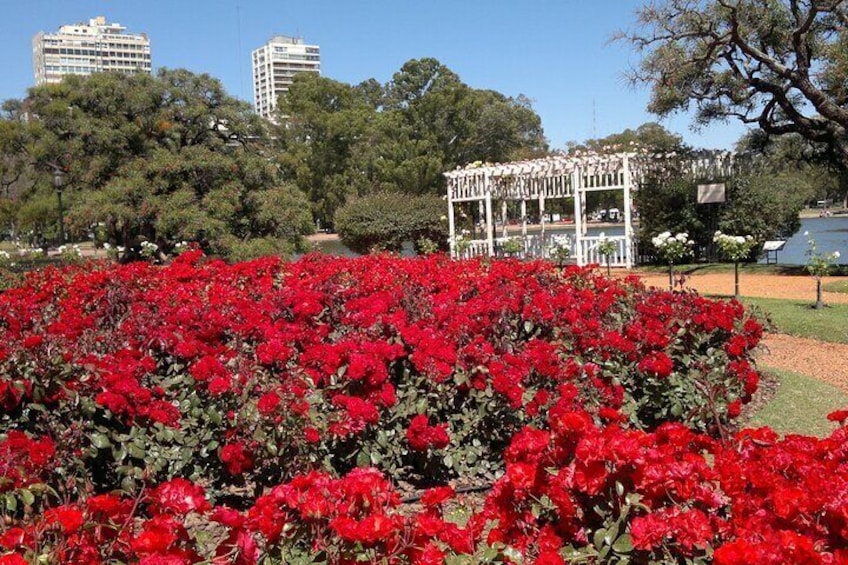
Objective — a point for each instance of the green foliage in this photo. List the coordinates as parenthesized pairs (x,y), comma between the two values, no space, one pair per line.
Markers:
(650,136)
(669,206)
(780,64)
(343,141)
(764,206)
(513,245)
(760,204)
(384,221)
(605,247)
(814,168)
(163,158)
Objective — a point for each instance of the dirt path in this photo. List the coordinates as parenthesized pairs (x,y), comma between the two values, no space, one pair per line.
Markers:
(827,362)
(763,286)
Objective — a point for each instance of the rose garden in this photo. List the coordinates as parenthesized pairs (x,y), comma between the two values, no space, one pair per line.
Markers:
(388,410)
(186,379)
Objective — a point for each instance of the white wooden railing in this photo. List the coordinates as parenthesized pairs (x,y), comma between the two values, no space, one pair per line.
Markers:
(591,254)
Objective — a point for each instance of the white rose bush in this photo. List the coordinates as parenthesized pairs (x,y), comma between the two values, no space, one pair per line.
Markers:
(606,248)
(735,248)
(560,249)
(672,249)
(819,265)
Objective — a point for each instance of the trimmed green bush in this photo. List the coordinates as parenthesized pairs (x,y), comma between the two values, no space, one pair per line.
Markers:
(384,221)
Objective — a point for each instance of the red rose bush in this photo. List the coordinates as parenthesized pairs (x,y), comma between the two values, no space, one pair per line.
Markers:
(248,374)
(206,412)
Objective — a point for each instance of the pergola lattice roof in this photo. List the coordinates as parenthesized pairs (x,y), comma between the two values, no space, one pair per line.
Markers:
(571,176)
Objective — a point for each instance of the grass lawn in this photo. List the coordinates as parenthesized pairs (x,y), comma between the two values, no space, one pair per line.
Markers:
(798,318)
(836,286)
(800,406)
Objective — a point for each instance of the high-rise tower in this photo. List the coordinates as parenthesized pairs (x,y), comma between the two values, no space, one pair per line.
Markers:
(82,49)
(274,66)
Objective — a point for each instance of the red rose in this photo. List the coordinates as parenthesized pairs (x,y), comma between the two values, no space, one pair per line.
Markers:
(69,517)
(236,458)
(179,497)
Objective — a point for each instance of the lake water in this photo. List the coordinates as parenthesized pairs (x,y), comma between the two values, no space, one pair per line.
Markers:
(831,234)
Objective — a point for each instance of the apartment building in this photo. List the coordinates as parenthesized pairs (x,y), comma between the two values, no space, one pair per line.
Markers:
(82,49)
(274,66)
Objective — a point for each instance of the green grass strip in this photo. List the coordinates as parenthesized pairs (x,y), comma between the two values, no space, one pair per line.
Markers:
(800,406)
(799,318)
(836,286)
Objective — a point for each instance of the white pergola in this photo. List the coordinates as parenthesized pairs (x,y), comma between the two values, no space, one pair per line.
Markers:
(556,178)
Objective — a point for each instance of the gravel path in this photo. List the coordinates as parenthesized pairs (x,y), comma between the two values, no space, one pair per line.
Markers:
(826,362)
(763,286)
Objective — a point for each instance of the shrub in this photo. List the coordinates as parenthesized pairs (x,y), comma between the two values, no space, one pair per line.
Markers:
(205,412)
(244,375)
(384,221)
(575,493)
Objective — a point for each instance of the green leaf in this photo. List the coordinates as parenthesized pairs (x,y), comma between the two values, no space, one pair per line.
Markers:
(27,497)
(363,458)
(624,544)
(598,538)
(11,502)
(100,441)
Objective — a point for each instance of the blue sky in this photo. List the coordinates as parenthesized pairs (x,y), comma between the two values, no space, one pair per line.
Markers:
(556,52)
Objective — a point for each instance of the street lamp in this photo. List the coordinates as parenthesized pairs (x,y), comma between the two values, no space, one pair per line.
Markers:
(58,178)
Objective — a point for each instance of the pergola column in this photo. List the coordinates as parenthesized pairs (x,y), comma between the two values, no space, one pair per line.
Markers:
(628,220)
(451,225)
(490,228)
(524,218)
(578,215)
(481,215)
(542,218)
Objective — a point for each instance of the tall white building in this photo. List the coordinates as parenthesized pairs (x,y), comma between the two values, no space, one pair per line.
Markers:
(81,49)
(274,67)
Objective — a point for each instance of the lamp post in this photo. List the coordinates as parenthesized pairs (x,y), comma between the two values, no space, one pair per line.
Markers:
(58,178)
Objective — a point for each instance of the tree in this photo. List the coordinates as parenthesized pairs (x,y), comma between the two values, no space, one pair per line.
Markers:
(342,141)
(161,158)
(817,169)
(322,120)
(650,136)
(781,65)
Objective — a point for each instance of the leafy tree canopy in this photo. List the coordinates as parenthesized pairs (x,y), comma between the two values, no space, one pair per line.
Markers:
(164,158)
(651,136)
(781,65)
(351,140)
